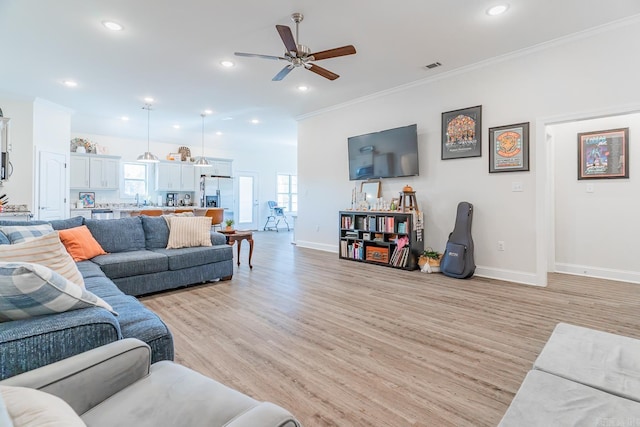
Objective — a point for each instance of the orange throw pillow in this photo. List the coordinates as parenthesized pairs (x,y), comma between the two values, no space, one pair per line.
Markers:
(80,243)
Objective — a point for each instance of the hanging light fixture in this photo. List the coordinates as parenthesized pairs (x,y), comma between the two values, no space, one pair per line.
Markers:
(201,161)
(148,157)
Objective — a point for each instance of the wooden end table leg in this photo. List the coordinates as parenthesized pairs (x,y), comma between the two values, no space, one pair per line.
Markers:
(239,241)
(250,239)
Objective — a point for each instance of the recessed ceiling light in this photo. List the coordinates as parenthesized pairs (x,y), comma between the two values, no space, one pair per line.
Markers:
(148,100)
(218,133)
(70,83)
(176,126)
(497,10)
(303,88)
(227,64)
(255,121)
(124,118)
(208,112)
(113,26)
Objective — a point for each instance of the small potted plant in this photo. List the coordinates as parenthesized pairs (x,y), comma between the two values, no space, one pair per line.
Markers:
(229,224)
(431,259)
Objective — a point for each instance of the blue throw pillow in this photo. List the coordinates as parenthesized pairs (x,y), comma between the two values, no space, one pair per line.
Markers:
(118,235)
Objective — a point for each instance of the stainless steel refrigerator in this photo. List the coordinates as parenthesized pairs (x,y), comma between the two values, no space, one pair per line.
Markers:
(217,192)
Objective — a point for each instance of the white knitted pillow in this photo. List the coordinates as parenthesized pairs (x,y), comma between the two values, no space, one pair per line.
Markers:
(187,232)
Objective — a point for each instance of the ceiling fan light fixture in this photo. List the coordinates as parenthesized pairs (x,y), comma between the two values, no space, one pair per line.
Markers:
(497,9)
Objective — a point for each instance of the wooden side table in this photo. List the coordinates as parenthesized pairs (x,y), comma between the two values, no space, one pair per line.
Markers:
(239,236)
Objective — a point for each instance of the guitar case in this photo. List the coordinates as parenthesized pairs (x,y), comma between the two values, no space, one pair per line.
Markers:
(457,260)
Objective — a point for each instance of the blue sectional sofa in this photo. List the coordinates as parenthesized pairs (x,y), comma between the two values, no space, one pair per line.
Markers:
(137,264)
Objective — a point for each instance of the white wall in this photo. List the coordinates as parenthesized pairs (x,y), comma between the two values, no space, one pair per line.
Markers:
(594,230)
(19,187)
(573,75)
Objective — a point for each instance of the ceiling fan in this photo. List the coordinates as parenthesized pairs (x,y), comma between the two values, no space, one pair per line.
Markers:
(299,55)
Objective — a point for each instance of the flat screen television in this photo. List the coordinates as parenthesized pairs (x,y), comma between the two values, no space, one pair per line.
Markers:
(389,153)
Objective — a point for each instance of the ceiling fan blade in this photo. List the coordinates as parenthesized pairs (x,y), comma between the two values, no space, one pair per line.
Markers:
(323,72)
(287,38)
(283,73)
(256,55)
(333,53)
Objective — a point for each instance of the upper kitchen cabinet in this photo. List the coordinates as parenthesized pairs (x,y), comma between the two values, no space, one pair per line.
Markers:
(219,168)
(175,176)
(90,171)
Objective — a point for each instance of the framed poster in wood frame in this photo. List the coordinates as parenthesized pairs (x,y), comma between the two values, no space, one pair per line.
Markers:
(509,148)
(462,133)
(603,154)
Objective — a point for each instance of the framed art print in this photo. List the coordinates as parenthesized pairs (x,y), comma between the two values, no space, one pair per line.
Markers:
(603,154)
(509,148)
(88,199)
(461,133)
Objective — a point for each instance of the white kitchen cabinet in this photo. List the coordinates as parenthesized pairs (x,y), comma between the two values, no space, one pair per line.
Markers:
(188,178)
(104,173)
(79,172)
(220,168)
(169,176)
(95,172)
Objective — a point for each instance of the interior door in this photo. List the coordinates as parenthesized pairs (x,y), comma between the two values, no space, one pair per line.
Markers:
(52,186)
(247,201)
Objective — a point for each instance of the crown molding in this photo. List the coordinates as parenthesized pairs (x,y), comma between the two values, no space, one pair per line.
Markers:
(580,35)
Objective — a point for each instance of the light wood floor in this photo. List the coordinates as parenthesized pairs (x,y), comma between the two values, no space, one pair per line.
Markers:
(340,343)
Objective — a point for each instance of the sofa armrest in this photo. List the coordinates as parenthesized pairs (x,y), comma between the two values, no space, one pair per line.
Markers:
(31,343)
(218,238)
(265,414)
(87,379)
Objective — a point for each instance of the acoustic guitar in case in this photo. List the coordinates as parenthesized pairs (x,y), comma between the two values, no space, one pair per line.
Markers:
(457,260)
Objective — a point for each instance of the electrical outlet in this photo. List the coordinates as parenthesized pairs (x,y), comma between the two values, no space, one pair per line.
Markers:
(501,245)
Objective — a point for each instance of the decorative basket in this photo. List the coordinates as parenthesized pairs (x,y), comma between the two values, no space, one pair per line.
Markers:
(185,152)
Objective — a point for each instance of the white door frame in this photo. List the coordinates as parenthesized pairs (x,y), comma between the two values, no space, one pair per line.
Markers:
(254,225)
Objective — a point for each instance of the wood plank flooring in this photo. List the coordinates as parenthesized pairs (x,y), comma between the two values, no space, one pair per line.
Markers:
(340,343)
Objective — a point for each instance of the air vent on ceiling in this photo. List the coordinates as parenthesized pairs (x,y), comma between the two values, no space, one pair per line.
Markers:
(432,65)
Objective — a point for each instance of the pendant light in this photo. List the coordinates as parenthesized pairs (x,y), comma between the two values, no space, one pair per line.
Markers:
(148,157)
(201,162)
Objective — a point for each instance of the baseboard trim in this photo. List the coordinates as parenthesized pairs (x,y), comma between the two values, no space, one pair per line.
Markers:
(598,272)
(317,246)
(521,277)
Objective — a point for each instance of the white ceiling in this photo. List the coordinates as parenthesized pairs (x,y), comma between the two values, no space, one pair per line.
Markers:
(171,51)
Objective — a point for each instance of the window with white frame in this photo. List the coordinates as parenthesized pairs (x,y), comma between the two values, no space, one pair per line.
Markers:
(288,192)
(135,179)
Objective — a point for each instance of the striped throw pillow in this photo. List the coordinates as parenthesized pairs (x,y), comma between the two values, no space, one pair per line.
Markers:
(22,233)
(28,290)
(46,250)
(187,232)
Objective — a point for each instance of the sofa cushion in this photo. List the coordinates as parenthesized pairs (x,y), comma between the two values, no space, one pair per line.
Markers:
(29,290)
(598,359)
(46,250)
(89,269)
(80,243)
(63,224)
(118,235)
(188,232)
(191,257)
(547,400)
(22,233)
(30,407)
(132,263)
(156,231)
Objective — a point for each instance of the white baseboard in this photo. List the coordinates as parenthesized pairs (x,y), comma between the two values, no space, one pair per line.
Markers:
(599,272)
(318,246)
(508,275)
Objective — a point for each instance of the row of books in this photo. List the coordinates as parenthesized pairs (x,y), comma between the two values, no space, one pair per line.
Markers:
(354,250)
(386,224)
